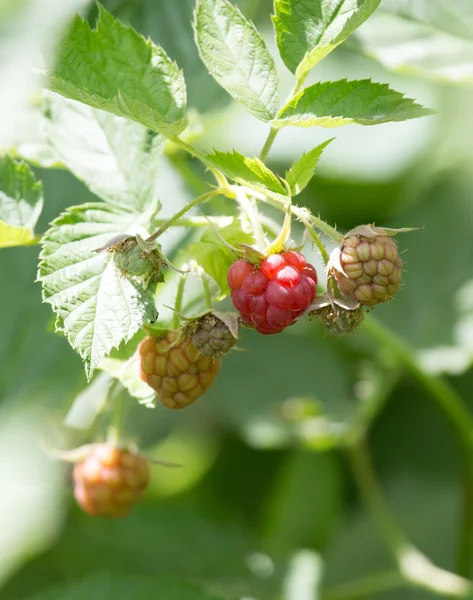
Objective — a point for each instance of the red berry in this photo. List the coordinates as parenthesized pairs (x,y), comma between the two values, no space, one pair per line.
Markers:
(108,481)
(273,295)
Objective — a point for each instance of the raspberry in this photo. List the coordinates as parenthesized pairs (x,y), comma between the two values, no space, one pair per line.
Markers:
(212,336)
(274,294)
(135,262)
(370,268)
(178,373)
(108,481)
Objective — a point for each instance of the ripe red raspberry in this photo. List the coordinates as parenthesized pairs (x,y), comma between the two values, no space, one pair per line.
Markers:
(178,373)
(108,481)
(271,296)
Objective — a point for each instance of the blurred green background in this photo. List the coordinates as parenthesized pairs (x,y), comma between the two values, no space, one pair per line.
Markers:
(265,504)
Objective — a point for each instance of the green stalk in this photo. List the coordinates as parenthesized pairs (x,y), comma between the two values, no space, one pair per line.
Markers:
(178,301)
(452,405)
(414,567)
(175,218)
(439,390)
(268,143)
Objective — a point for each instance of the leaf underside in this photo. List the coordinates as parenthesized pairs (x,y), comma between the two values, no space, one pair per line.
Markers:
(237,57)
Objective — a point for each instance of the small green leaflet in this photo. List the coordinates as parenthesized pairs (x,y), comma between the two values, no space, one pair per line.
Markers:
(115,157)
(21,202)
(308,30)
(237,57)
(303,169)
(97,307)
(214,257)
(114,68)
(337,103)
(246,171)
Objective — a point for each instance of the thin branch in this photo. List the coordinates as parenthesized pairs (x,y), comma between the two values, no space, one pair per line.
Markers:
(415,568)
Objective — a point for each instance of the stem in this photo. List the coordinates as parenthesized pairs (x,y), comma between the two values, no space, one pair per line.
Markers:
(178,301)
(326,228)
(252,213)
(444,395)
(196,221)
(365,586)
(283,235)
(371,493)
(413,565)
(173,220)
(114,431)
(268,143)
(314,237)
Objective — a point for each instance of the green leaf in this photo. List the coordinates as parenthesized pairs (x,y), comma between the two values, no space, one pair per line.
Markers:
(97,307)
(214,257)
(247,171)
(171,24)
(237,57)
(114,68)
(123,587)
(307,30)
(115,157)
(337,103)
(416,48)
(21,202)
(303,169)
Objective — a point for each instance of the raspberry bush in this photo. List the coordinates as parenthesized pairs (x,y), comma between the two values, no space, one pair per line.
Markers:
(174,257)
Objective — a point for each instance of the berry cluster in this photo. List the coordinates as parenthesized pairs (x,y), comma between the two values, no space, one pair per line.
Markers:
(269,296)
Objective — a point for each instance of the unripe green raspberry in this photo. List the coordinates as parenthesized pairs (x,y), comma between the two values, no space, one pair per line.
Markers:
(109,480)
(133,261)
(368,267)
(213,336)
(175,369)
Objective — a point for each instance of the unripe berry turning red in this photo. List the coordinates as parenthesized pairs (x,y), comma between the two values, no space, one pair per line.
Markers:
(370,268)
(109,480)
